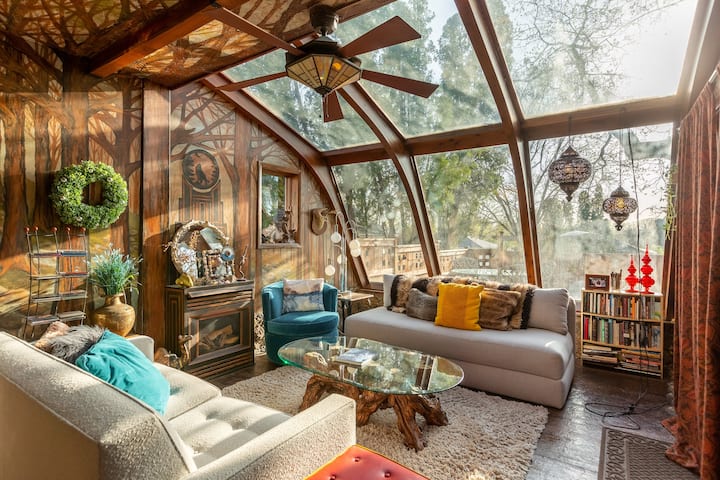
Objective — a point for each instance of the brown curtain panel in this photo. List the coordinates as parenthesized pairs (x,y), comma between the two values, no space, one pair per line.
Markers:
(696,426)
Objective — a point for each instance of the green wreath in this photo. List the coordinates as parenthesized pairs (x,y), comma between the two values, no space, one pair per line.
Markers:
(67,195)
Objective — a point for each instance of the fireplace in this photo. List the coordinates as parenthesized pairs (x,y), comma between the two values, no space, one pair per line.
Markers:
(219,321)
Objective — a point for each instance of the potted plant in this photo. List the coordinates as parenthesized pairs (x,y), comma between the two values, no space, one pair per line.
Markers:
(114,273)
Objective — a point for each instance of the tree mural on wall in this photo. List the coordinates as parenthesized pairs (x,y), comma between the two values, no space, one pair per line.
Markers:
(51,115)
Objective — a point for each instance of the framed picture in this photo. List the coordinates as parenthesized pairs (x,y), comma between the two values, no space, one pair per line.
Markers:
(597,282)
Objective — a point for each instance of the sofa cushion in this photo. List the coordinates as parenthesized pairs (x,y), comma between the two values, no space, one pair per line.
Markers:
(118,362)
(421,305)
(496,306)
(458,306)
(549,310)
(307,324)
(533,350)
(186,391)
(221,425)
(303,295)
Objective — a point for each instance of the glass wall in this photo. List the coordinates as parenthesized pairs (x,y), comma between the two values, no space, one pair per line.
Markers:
(381,219)
(472,202)
(577,237)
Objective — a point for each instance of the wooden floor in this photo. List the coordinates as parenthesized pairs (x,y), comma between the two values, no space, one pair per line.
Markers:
(569,447)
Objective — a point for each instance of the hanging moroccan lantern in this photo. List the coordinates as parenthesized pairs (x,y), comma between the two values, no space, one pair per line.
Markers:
(619,206)
(569,171)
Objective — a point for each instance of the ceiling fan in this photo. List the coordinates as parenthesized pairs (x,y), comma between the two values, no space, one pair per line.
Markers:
(324,64)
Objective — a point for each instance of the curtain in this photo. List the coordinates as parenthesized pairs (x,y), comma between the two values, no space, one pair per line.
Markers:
(696,424)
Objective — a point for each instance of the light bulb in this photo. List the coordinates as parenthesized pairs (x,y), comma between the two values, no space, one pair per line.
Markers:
(329,270)
(355,252)
(354,244)
(335,237)
(340,259)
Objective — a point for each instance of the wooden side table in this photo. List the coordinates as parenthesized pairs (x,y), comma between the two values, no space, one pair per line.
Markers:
(345,304)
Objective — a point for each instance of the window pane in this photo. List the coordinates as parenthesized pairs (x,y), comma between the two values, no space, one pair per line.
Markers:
(380,216)
(472,202)
(565,55)
(577,237)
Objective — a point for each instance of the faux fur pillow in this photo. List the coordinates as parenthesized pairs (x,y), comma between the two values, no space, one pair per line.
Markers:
(421,305)
(496,307)
(399,292)
(75,342)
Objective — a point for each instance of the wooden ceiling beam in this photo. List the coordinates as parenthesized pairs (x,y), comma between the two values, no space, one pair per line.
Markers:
(478,24)
(603,118)
(397,151)
(178,21)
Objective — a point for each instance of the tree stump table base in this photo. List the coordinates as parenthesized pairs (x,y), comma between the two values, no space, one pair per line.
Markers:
(368,402)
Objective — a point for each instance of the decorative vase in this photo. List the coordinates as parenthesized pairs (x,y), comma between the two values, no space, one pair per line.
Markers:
(646,281)
(116,316)
(631,279)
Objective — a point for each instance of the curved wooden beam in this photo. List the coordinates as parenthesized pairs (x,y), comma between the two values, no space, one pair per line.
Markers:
(397,151)
(478,23)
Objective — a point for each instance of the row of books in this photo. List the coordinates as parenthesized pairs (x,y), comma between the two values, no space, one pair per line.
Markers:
(622,332)
(630,359)
(628,306)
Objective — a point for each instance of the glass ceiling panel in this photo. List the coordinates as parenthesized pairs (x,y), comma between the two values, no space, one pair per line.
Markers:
(579,53)
(300,107)
(443,55)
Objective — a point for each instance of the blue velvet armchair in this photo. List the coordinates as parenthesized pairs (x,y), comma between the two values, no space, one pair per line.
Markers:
(281,328)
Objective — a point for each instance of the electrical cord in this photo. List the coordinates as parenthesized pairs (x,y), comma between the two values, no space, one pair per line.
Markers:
(611,413)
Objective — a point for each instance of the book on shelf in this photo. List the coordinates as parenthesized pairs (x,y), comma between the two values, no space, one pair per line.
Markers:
(607,359)
(355,356)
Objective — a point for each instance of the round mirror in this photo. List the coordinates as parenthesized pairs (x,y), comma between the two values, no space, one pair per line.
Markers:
(201,251)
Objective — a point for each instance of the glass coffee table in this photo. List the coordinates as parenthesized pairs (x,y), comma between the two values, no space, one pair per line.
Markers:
(376,375)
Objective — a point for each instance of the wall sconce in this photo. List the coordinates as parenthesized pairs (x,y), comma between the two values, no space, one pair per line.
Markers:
(319,225)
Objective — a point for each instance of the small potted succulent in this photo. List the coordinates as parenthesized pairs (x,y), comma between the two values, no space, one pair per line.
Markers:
(114,273)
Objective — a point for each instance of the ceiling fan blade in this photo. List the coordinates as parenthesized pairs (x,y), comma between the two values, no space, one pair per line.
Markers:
(232,87)
(331,108)
(416,87)
(236,21)
(392,32)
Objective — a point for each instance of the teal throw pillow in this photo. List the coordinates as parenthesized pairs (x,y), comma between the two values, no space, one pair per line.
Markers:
(303,295)
(120,363)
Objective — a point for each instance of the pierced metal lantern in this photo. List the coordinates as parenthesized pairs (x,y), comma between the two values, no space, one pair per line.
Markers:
(619,206)
(569,171)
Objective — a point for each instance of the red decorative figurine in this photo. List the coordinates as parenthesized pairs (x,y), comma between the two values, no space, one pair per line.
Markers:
(646,270)
(631,279)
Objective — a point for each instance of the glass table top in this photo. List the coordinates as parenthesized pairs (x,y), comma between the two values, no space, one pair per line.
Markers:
(373,365)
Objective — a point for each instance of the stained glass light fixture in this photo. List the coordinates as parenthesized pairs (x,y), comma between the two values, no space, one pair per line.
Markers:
(570,169)
(620,204)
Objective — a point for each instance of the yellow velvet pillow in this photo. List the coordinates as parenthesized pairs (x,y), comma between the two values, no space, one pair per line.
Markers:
(458,306)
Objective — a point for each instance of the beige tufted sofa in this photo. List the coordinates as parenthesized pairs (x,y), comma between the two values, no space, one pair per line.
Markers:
(57,421)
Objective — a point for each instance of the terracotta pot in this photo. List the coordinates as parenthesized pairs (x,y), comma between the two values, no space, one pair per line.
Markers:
(116,316)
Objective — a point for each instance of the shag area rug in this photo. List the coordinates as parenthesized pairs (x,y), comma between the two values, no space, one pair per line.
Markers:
(626,456)
(487,438)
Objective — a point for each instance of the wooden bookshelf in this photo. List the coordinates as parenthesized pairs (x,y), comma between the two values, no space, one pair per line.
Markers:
(623,331)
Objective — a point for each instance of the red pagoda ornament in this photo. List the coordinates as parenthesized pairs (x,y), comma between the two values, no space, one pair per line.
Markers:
(631,279)
(646,281)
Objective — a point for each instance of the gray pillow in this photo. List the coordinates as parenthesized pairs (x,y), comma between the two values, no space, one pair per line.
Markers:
(549,310)
(421,305)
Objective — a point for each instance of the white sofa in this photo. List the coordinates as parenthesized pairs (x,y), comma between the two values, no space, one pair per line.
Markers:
(58,421)
(533,364)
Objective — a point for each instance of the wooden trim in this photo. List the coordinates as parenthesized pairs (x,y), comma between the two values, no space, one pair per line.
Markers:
(155,210)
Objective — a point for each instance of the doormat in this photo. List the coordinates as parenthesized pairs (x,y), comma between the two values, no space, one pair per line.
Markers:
(627,456)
